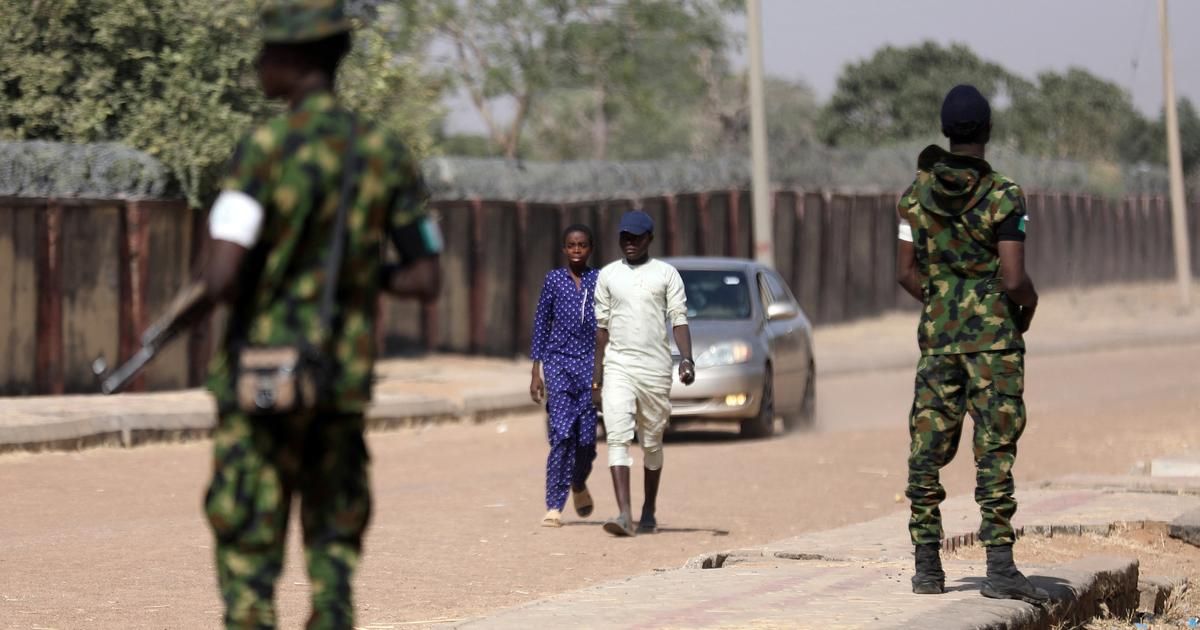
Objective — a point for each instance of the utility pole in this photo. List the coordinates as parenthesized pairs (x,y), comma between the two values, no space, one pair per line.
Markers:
(1183,270)
(764,250)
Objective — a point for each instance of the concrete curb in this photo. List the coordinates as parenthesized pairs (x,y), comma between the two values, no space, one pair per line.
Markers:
(1080,590)
(1186,528)
(1155,591)
(1127,483)
(194,420)
(857,576)
(106,427)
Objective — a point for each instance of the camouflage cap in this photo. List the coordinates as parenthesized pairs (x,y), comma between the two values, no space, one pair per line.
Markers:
(300,21)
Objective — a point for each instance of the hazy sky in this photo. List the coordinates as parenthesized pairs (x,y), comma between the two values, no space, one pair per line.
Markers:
(1115,39)
(814,39)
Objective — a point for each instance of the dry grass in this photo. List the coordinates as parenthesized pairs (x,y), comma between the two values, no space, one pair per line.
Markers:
(1182,606)
(1158,555)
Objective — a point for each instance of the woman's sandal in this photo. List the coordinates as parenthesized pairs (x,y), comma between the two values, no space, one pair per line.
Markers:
(553,518)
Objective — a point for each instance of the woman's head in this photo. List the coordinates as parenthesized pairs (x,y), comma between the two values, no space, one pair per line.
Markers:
(577,242)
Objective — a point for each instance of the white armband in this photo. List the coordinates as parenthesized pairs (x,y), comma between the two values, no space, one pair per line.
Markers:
(905,233)
(236,217)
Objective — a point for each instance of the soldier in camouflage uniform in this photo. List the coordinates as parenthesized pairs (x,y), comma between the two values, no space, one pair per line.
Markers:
(270,229)
(961,254)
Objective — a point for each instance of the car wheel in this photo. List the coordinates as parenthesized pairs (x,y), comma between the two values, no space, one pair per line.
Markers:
(762,425)
(807,416)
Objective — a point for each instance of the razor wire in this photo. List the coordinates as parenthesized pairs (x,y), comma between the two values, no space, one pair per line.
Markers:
(109,170)
(101,171)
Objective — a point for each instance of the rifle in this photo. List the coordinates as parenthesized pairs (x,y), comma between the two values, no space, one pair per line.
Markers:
(180,314)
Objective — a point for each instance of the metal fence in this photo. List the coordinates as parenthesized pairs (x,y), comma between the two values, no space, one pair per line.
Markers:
(836,251)
(81,278)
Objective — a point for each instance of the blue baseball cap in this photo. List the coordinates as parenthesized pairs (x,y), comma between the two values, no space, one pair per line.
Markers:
(637,223)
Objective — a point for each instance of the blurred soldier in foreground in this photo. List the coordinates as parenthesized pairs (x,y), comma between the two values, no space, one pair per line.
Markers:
(962,255)
(298,233)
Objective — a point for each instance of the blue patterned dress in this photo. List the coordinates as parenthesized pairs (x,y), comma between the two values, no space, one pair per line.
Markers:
(564,340)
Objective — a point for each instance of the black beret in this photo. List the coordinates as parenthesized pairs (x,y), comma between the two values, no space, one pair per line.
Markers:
(964,109)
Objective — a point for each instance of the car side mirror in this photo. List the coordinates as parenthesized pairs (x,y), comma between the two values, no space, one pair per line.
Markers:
(782,310)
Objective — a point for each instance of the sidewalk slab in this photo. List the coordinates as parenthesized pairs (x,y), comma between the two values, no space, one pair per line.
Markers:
(1155,591)
(858,577)
(1186,527)
(1128,483)
(1178,466)
(439,388)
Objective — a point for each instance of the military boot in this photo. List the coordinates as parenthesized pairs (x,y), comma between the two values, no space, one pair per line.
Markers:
(929,578)
(1004,581)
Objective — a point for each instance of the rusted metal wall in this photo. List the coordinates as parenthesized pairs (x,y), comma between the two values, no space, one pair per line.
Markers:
(80,278)
(19,249)
(836,251)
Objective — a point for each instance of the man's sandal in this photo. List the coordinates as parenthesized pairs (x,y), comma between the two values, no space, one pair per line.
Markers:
(553,518)
(619,526)
(582,501)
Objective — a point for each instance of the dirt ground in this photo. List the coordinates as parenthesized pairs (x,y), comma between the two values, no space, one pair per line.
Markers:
(110,538)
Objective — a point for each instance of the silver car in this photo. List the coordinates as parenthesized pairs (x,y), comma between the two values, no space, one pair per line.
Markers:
(752,345)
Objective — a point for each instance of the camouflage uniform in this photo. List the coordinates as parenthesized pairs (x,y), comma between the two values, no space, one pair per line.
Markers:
(292,166)
(972,349)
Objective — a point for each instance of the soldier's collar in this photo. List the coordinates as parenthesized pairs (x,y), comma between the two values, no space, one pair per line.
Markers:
(934,154)
(316,100)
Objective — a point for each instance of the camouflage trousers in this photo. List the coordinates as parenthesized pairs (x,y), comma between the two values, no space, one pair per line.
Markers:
(988,386)
(259,464)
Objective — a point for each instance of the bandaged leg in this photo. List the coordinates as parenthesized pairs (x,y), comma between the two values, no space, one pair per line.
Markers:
(653,414)
(620,408)
(653,459)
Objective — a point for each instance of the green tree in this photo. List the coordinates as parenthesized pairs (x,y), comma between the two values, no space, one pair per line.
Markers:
(587,78)
(792,114)
(644,64)
(500,52)
(174,78)
(1189,135)
(1075,115)
(897,93)
(1146,140)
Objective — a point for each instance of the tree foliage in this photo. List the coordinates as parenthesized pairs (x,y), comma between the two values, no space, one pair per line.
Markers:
(897,93)
(585,78)
(174,78)
(792,114)
(1146,140)
(1072,115)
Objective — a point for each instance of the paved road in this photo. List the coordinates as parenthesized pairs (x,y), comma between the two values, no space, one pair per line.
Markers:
(111,538)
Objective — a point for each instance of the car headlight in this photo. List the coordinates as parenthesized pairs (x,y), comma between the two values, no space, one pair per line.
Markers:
(729,353)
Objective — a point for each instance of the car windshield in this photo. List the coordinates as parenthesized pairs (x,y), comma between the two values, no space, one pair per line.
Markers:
(716,294)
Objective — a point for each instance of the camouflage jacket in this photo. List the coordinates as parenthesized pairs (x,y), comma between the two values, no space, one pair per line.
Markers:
(954,208)
(292,165)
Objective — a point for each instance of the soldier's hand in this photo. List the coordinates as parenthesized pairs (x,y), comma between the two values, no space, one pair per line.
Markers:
(1026,318)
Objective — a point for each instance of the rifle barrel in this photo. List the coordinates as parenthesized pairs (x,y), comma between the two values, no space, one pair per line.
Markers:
(129,369)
